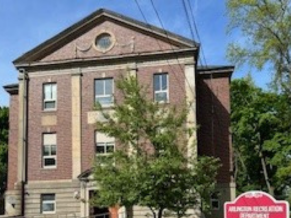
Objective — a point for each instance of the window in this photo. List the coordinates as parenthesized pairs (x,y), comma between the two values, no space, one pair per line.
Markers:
(214,201)
(161,93)
(48,203)
(103,41)
(49,150)
(104,91)
(49,96)
(104,144)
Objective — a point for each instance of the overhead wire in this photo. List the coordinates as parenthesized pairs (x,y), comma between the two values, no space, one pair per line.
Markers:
(197,33)
(160,47)
(166,33)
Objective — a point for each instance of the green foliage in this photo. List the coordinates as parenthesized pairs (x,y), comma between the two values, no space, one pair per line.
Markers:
(4,125)
(261,135)
(150,166)
(264,26)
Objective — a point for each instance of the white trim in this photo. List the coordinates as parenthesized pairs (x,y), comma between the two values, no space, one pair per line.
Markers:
(160,86)
(104,90)
(52,99)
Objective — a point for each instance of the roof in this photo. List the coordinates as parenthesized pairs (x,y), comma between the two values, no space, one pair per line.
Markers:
(11,88)
(100,15)
(84,176)
(215,70)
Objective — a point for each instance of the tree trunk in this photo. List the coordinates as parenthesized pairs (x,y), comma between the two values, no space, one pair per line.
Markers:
(153,212)
(160,213)
(270,189)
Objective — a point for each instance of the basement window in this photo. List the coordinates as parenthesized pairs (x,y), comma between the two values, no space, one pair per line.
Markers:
(48,203)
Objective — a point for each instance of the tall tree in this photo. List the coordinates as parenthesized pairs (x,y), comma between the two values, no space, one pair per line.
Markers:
(265,27)
(4,125)
(262,139)
(150,166)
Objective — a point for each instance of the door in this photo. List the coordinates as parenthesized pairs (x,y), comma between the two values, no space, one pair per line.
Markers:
(97,212)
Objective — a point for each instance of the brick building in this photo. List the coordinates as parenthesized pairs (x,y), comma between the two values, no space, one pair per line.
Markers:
(52,141)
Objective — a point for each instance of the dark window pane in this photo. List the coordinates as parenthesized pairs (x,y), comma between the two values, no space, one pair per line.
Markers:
(215,204)
(100,149)
(48,197)
(164,82)
(99,87)
(53,149)
(46,150)
(108,87)
(156,82)
(109,148)
(50,105)
(49,162)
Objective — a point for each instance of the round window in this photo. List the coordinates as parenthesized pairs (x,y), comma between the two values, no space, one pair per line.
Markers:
(104,42)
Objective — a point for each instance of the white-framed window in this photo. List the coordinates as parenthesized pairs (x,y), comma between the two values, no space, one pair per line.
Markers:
(104,91)
(214,201)
(105,145)
(48,203)
(49,96)
(49,150)
(161,87)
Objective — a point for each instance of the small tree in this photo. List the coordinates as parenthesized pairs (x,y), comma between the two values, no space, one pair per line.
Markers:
(4,124)
(150,166)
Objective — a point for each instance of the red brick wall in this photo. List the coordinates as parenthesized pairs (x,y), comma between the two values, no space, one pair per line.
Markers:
(213,117)
(88,130)
(123,35)
(62,129)
(145,77)
(13,141)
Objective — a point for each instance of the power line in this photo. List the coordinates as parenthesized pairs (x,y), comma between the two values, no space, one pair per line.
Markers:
(160,47)
(162,25)
(196,29)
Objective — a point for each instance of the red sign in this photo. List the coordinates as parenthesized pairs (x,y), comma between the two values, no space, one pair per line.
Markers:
(256,204)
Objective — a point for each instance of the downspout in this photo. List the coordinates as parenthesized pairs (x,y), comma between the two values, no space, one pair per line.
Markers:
(24,142)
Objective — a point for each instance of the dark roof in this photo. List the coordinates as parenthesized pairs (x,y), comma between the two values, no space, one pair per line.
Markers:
(215,70)
(11,88)
(84,175)
(57,41)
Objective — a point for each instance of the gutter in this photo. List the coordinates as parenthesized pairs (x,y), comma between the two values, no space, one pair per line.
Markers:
(24,142)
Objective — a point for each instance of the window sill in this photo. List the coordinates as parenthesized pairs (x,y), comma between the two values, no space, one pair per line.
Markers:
(49,168)
(49,111)
(52,212)
(162,102)
(107,106)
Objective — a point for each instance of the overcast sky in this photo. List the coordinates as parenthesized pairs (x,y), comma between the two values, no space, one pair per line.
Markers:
(25,24)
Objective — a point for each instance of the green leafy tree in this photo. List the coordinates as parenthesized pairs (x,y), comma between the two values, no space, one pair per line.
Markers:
(262,139)
(265,27)
(150,166)
(4,125)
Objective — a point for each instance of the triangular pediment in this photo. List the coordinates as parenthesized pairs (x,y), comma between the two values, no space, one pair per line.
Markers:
(127,36)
